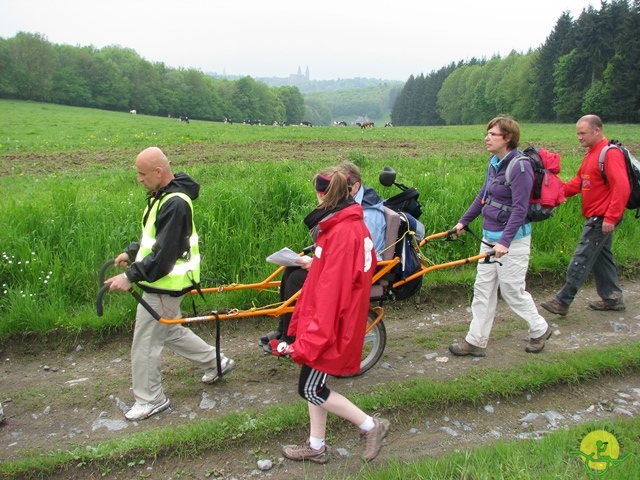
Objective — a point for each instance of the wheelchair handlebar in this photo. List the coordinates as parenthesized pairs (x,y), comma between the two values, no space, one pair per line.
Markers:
(101,292)
(104,288)
(103,269)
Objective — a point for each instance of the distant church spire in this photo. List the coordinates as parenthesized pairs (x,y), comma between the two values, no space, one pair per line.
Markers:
(296,78)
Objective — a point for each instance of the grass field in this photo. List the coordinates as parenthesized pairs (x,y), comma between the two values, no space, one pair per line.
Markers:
(70,199)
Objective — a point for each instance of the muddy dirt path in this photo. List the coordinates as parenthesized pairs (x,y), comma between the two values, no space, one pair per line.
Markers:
(74,395)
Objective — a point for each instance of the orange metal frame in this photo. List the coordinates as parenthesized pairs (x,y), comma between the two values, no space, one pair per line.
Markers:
(384,267)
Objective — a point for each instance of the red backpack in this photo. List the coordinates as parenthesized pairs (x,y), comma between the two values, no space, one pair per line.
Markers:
(548,189)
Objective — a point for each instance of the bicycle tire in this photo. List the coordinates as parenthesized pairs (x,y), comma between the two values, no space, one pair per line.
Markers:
(374,343)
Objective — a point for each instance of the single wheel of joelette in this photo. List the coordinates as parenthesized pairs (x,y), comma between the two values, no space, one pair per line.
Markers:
(374,341)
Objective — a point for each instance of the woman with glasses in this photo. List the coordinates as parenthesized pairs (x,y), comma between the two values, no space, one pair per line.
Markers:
(507,231)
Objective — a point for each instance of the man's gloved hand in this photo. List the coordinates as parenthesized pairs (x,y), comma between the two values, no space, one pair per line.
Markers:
(280,348)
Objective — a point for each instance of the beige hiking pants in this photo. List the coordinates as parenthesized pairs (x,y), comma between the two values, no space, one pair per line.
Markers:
(509,276)
(151,336)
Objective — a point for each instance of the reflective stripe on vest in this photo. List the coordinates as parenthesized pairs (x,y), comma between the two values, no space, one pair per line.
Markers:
(186,271)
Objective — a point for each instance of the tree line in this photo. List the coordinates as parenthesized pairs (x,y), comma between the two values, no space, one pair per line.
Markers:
(588,65)
(116,78)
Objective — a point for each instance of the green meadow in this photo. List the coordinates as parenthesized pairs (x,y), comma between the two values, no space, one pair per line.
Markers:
(70,200)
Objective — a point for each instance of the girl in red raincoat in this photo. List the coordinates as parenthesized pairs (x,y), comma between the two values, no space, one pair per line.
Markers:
(330,316)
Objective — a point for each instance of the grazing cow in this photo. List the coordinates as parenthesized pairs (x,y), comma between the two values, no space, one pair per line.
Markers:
(184,119)
(367,125)
(132,112)
(388,124)
(358,124)
(340,124)
(306,124)
(228,120)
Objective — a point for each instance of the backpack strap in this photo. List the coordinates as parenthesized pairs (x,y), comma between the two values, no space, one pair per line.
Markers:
(603,154)
(507,182)
(507,174)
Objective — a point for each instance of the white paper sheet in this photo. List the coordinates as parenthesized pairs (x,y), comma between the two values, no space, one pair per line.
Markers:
(285,257)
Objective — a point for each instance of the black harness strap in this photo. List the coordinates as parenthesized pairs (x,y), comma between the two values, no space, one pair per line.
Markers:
(471,232)
(216,314)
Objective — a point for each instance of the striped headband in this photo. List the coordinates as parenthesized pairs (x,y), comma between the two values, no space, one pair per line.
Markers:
(322,182)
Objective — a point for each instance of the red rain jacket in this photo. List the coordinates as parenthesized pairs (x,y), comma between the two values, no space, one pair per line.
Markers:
(330,315)
(552,192)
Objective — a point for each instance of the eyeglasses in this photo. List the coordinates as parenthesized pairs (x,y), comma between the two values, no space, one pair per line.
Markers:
(493,134)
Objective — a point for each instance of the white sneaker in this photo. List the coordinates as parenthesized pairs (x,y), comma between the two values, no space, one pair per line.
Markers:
(211,375)
(145,410)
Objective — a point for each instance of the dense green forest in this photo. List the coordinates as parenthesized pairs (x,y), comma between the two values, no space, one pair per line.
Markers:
(116,78)
(588,65)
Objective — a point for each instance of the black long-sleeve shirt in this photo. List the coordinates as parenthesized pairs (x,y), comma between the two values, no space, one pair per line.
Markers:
(173,230)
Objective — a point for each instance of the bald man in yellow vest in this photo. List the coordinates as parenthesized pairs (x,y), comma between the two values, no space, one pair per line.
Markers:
(165,264)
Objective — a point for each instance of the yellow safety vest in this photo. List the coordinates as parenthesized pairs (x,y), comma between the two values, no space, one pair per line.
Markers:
(186,271)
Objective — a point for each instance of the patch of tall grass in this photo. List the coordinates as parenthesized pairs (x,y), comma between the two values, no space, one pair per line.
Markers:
(58,228)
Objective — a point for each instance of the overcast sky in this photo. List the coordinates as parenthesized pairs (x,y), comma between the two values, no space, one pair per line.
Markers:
(388,40)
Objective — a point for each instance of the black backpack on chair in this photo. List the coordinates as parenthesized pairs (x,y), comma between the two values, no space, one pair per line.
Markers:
(407,209)
(406,200)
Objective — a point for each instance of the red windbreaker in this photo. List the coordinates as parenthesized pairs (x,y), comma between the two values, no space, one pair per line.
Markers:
(599,199)
(330,315)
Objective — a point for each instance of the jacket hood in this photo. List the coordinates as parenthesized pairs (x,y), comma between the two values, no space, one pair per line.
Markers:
(370,198)
(318,214)
(351,213)
(183,183)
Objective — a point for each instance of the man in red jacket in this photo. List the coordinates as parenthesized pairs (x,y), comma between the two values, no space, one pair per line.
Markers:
(603,205)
